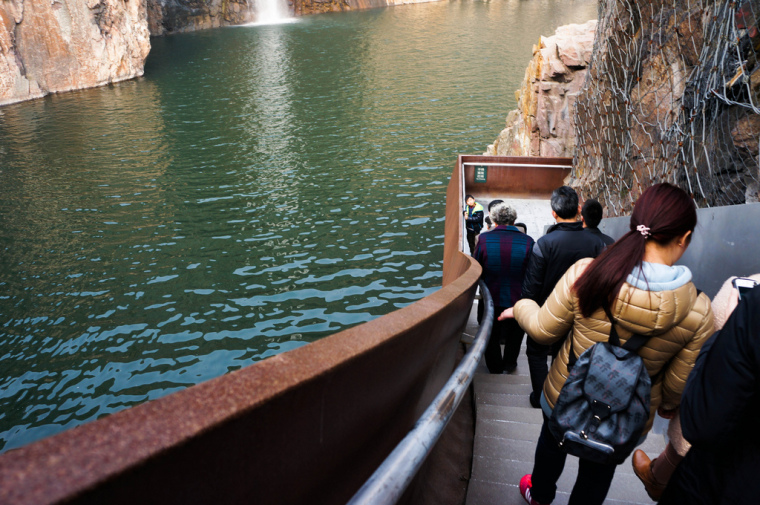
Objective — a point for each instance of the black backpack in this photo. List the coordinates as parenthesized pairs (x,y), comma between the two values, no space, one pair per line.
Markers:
(603,406)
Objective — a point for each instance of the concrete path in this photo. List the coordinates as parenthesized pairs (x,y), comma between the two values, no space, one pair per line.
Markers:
(506,431)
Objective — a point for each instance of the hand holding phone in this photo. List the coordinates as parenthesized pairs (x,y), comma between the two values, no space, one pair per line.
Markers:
(743,285)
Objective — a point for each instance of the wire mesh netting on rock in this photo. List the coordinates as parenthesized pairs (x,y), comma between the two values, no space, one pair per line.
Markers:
(672,95)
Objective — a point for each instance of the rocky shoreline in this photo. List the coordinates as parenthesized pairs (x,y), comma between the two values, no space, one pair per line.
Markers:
(175,16)
(542,124)
(64,45)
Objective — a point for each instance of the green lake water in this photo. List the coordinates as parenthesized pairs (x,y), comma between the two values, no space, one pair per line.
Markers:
(259,188)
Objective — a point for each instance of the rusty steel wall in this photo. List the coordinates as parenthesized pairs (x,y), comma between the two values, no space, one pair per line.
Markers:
(306,426)
(455,263)
(518,180)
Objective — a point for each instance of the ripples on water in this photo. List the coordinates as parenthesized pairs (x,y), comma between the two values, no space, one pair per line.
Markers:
(260,188)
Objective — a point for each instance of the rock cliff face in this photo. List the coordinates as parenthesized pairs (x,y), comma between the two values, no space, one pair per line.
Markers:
(168,16)
(302,7)
(171,16)
(665,96)
(542,125)
(671,97)
(49,46)
(60,45)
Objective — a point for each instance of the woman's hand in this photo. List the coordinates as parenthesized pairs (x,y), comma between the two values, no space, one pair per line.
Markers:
(507,314)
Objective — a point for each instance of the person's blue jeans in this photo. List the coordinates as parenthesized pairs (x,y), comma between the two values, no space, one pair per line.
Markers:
(593,480)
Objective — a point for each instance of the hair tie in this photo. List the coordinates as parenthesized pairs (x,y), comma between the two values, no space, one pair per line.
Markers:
(644,230)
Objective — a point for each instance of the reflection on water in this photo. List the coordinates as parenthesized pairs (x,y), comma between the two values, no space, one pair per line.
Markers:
(260,188)
(270,99)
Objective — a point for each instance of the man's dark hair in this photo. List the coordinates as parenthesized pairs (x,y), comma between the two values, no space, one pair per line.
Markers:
(493,204)
(592,213)
(467,197)
(565,202)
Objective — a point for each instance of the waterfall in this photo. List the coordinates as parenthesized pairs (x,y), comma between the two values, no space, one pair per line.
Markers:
(271,11)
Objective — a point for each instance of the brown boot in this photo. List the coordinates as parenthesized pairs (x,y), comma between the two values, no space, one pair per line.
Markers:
(642,467)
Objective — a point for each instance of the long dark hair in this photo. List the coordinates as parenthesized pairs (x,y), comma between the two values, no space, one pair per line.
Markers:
(662,213)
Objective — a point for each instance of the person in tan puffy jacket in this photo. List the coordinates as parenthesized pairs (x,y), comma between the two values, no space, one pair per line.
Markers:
(646,294)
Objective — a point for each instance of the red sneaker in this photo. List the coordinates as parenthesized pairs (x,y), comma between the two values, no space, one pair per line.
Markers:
(525,485)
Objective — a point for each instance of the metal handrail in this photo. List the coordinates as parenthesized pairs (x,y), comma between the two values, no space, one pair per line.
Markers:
(393,476)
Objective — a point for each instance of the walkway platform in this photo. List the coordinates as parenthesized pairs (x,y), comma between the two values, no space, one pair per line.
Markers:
(507,427)
(506,431)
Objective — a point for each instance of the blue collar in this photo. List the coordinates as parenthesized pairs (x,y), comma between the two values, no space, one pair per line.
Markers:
(658,277)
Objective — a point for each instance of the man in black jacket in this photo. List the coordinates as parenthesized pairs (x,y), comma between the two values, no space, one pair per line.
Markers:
(591,213)
(564,244)
(720,409)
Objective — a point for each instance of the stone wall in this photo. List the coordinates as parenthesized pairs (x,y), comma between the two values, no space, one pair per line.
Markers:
(61,45)
(542,125)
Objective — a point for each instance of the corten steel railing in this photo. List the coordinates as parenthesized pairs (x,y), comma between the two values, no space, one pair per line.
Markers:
(390,480)
(306,426)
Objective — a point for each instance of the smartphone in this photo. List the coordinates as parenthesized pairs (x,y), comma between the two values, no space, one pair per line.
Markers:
(743,285)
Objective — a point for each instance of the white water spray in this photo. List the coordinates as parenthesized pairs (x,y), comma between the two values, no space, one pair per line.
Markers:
(272,11)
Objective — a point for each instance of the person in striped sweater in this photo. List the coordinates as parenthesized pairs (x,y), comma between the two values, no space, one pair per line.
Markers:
(503,253)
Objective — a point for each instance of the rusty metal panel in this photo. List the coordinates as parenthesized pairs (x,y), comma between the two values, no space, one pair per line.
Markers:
(306,426)
(309,425)
(454,261)
(528,176)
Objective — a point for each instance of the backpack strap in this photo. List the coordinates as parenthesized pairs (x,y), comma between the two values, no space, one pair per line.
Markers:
(633,344)
(571,358)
